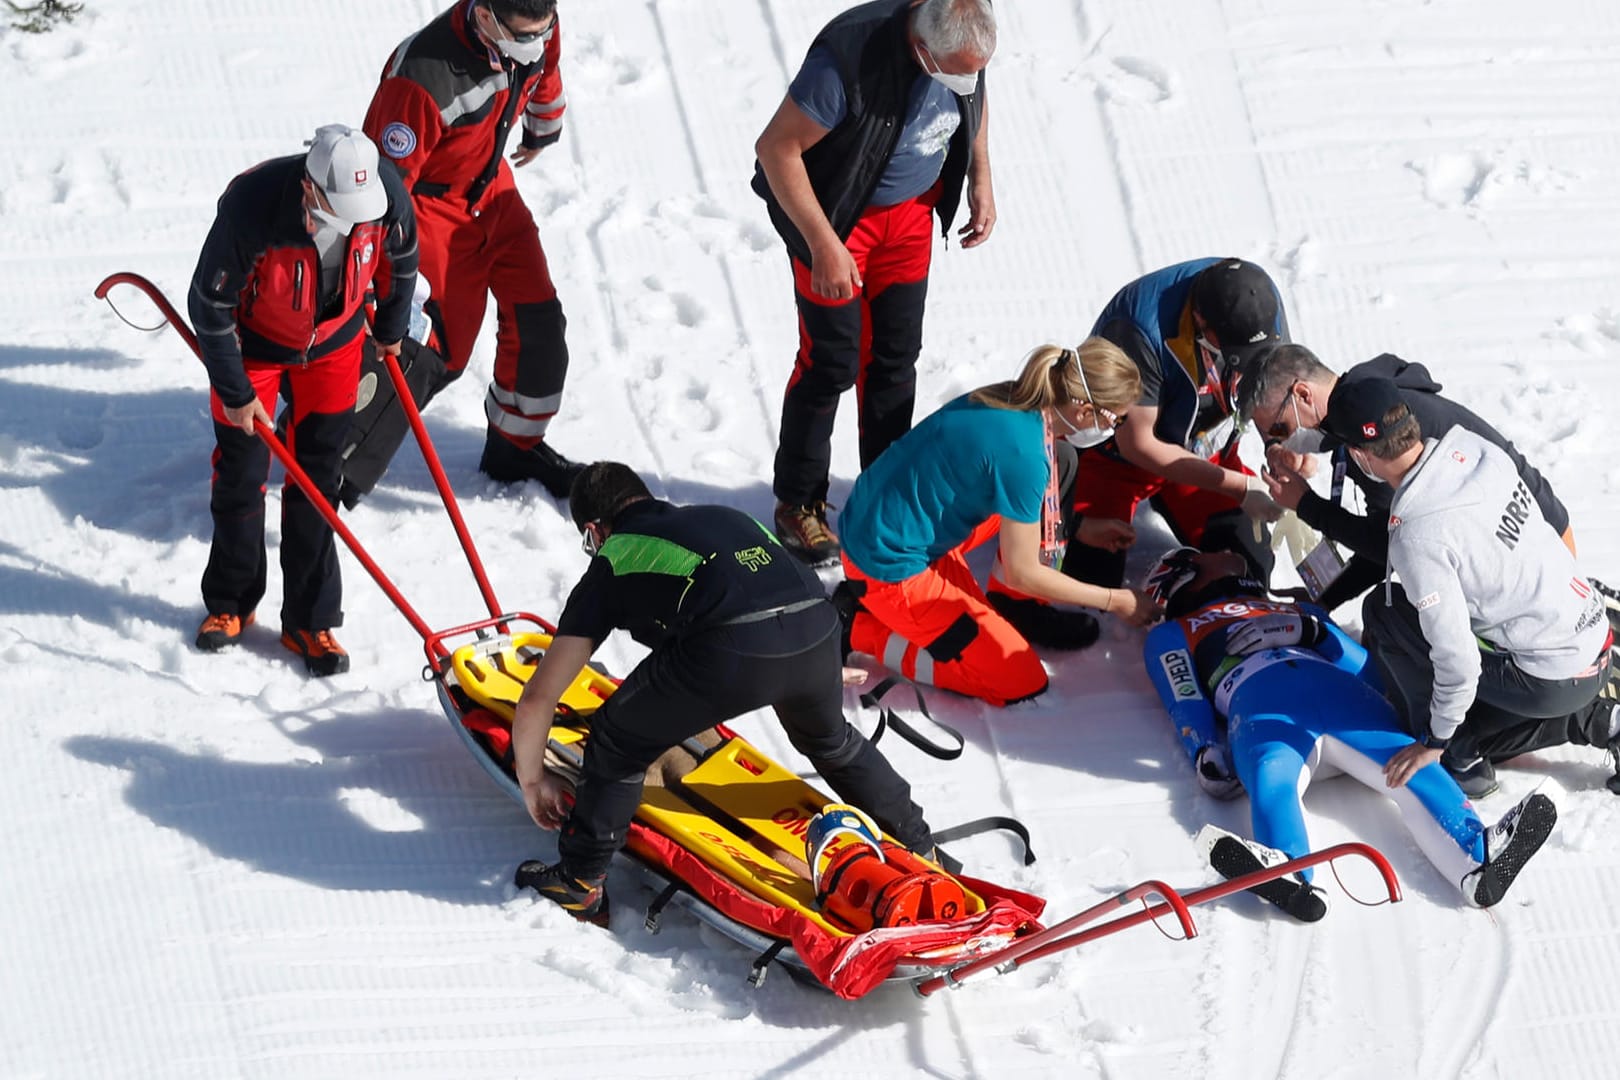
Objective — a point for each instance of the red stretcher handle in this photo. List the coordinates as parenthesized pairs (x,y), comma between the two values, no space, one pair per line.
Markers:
(1061,937)
(296,473)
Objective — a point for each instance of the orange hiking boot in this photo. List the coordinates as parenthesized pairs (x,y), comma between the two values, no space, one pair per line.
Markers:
(322,654)
(218,631)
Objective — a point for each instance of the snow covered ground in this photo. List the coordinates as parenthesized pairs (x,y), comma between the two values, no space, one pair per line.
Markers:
(215,867)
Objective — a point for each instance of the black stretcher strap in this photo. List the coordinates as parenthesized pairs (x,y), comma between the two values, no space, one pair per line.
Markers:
(762,963)
(660,902)
(888,718)
(984,825)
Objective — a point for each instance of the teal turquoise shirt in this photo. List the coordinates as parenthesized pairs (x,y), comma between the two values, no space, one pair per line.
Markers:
(929,490)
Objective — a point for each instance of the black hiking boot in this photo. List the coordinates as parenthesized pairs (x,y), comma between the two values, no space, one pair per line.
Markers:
(508,463)
(1044,625)
(1232,857)
(1508,846)
(586,899)
(1477,778)
(804,531)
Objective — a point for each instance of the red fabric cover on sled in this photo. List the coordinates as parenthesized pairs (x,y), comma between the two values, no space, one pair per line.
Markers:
(849,966)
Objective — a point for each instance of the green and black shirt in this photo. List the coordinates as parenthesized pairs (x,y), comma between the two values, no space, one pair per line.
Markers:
(668,570)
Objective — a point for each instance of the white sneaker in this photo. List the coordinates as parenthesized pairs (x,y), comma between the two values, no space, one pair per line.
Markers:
(1508,846)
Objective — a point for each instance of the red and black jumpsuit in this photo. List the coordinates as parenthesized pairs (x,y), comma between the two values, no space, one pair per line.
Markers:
(265,324)
(442,113)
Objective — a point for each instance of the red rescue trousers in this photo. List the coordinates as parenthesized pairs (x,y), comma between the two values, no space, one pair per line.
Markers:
(320,397)
(870,342)
(1108,487)
(466,256)
(936,627)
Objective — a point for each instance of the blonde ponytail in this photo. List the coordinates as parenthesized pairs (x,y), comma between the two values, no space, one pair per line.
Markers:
(1052,376)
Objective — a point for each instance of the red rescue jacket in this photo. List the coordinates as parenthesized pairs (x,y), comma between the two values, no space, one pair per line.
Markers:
(255,292)
(442,113)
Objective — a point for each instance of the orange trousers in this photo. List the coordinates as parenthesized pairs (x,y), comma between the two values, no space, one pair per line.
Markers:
(936,627)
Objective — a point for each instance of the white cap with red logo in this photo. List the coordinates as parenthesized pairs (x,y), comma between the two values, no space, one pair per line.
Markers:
(342,162)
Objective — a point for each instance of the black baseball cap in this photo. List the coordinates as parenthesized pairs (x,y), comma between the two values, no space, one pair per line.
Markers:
(1238,301)
(1357,409)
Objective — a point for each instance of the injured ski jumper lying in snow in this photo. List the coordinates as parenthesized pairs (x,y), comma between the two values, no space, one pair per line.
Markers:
(1267,696)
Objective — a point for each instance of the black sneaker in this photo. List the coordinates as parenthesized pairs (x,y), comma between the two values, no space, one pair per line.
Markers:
(804,531)
(1477,778)
(585,899)
(509,463)
(1232,857)
(1047,626)
(846,603)
(1508,846)
(1605,716)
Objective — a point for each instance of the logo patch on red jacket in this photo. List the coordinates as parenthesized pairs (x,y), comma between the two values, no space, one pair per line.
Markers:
(398,140)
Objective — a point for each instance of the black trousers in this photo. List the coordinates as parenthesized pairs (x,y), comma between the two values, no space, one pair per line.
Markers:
(234,580)
(830,362)
(790,663)
(1513,712)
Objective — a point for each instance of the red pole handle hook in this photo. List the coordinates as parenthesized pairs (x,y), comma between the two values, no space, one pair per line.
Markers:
(294,471)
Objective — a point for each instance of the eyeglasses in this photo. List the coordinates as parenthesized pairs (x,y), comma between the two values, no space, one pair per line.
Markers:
(1275,429)
(528,36)
(588,542)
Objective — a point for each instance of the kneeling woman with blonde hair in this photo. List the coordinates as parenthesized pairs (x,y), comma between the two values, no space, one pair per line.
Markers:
(992,461)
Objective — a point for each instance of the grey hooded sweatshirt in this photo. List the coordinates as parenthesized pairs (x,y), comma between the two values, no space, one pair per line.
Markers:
(1478,560)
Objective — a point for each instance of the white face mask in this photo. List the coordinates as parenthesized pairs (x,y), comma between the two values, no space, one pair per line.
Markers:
(1082,437)
(1304,440)
(960,85)
(331,221)
(522,53)
(1361,463)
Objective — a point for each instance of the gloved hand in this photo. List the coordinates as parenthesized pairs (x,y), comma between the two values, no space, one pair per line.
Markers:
(1257,501)
(1273,631)
(1215,773)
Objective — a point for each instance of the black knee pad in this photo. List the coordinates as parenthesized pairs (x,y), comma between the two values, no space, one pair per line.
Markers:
(954,641)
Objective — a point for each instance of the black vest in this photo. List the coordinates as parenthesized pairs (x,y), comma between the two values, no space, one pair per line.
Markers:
(872,50)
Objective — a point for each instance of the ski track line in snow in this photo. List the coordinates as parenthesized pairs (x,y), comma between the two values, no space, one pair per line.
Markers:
(699,171)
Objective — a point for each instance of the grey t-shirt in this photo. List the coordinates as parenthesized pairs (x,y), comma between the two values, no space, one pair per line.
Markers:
(932,117)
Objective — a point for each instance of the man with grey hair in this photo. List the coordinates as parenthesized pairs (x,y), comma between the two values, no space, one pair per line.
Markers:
(1286,392)
(881,129)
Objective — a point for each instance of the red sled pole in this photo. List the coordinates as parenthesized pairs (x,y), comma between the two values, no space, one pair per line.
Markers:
(1009,958)
(1061,937)
(295,472)
(402,392)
